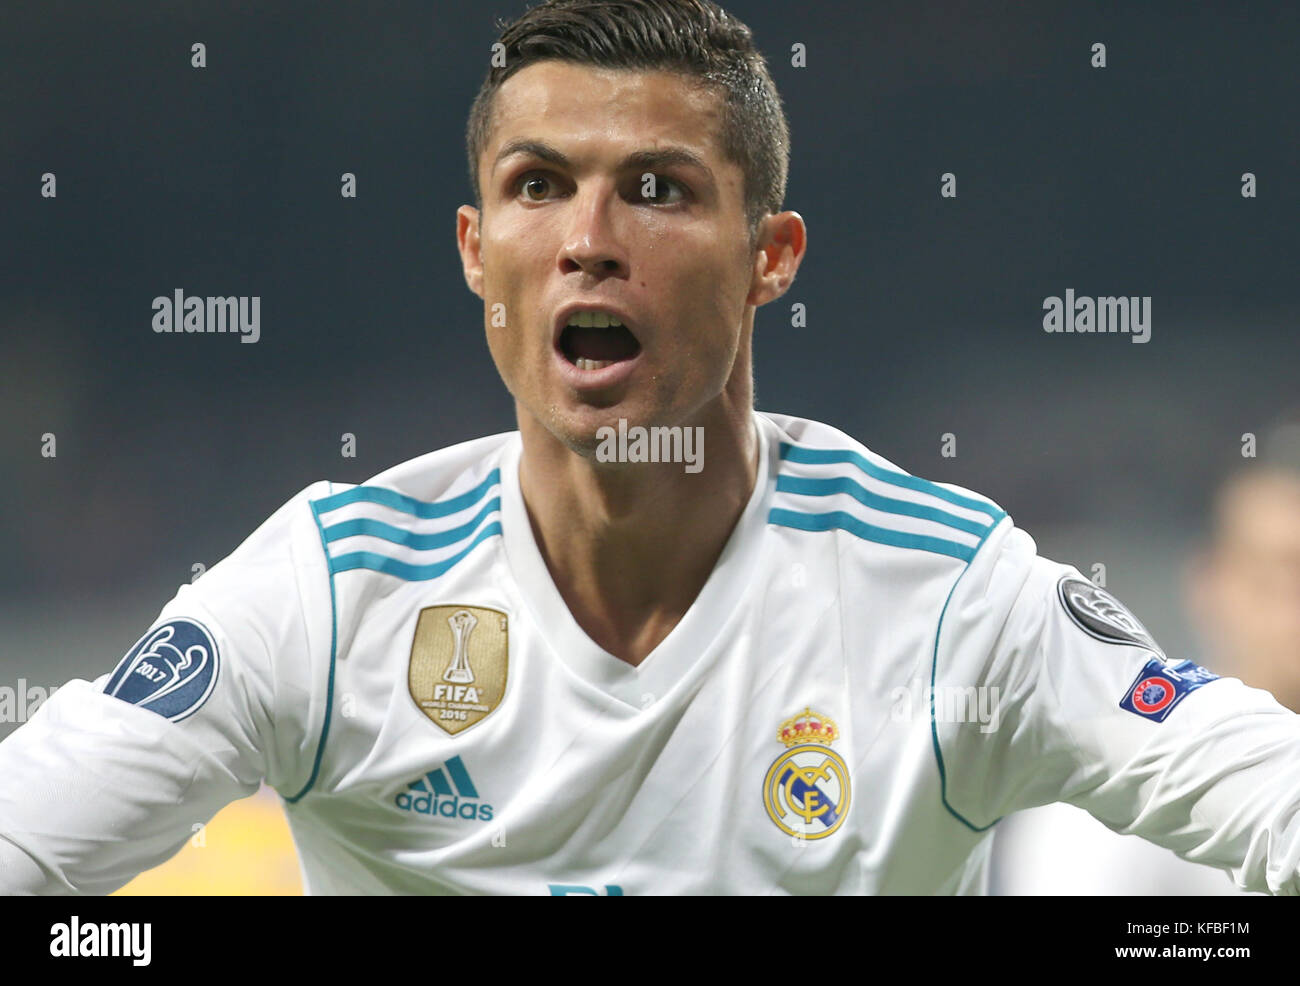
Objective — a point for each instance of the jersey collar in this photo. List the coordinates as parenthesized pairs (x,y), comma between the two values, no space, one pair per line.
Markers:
(711,620)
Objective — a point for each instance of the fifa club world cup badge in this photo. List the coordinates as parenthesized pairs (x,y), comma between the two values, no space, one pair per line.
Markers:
(459,659)
(806,790)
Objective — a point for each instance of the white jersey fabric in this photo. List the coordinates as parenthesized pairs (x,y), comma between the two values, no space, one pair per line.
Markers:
(1027,860)
(877,670)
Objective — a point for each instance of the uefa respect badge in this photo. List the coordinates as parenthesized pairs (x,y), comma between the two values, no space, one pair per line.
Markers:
(1160,686)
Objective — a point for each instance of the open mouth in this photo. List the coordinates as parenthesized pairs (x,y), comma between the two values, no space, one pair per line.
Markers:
(593,340)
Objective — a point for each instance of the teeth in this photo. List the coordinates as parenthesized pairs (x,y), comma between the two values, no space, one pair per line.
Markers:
(592,364)
(593,320)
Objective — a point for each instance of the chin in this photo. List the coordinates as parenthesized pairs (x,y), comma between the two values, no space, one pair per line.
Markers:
(581,433)
(579,429)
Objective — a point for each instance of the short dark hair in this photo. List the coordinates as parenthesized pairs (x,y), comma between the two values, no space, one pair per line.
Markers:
(695,38)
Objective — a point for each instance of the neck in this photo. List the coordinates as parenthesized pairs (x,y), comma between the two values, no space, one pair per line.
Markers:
(630,545)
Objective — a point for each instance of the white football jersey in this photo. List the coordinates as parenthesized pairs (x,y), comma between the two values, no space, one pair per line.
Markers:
(878,668)
(1027,860)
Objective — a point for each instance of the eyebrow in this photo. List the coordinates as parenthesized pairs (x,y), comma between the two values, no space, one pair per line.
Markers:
(661,157)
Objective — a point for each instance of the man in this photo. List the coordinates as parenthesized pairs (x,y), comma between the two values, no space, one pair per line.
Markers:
(1244,582)
(550,661)
(1243,594)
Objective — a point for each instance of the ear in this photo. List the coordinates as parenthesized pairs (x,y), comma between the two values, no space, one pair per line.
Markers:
(467,241)
(782,241)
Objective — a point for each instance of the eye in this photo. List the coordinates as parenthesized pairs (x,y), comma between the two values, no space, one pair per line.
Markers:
(667,191)
(534,186)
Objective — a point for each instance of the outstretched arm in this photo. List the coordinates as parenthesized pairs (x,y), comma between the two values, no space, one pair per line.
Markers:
(1094,714)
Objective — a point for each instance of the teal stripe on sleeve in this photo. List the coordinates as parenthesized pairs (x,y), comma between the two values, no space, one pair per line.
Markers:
(841,521)
(820,456)
(334,646)
(410,539)
(934,726)
(407,504)
(843,484)
(404,570)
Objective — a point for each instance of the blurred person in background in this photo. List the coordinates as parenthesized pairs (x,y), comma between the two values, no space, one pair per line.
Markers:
(1242,594)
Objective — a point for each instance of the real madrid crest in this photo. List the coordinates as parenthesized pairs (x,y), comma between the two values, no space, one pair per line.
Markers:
(458,666)
(806,790)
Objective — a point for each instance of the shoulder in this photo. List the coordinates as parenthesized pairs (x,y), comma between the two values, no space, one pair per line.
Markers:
(436,474)
(416,518)
(273,609)
(296,550)
(827,480)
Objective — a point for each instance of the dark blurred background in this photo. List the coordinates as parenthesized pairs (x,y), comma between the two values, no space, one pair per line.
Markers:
(924,314)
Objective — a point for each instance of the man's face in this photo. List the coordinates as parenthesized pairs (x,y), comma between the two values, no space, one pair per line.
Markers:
(567,225)
(1248,592)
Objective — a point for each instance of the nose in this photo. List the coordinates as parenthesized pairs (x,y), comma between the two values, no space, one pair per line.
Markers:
(592,244)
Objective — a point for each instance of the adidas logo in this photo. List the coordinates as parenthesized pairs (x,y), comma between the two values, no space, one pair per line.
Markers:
(450,795)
